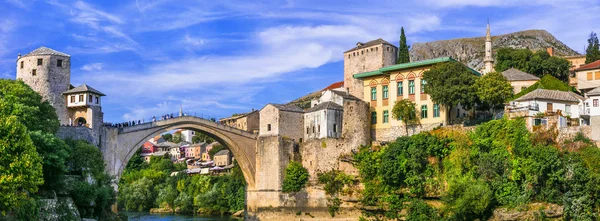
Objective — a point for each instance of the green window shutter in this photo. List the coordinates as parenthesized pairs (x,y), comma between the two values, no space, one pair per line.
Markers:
(400,88)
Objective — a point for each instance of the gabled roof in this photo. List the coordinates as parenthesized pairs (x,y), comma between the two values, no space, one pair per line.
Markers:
(361,45)
(334,86)
(595,91)
(410,65)
(326,105)
(345,95)
(167,144)
(513,74)
(551,95)
(287,107)
(238,116)
(45,51)
(222,152)
(590,66)
(84,88)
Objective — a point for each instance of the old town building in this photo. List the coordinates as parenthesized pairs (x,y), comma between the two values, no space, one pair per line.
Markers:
(383,87)
(519,80)
(247,121)
(282,120)
(222,158)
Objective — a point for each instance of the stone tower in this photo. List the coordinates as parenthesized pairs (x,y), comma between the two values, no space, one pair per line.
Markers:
(488,61)
(47,72)
(366,57)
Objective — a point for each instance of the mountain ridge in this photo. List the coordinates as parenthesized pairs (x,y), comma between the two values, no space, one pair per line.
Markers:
(471,50)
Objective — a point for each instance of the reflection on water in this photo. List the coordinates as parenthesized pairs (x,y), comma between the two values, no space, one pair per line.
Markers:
(134,216)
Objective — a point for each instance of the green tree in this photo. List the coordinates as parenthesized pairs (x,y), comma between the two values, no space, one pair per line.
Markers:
(167,137)
(592,52)
(406,111)
(539,63)
(201,137)
(403,54)
(20,164)
(167,194)
(493,89)
(450,84)
(178,137)
(138,196)
(295,177)
(27,106)
(215,150)
(55,154)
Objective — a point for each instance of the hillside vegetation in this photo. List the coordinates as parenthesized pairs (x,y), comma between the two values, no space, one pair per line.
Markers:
(471,50)
(450,174)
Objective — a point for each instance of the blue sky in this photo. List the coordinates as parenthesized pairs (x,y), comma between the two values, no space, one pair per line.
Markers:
(221,57)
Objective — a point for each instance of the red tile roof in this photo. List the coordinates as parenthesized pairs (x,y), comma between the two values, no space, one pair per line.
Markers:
(593,65)
(334,86)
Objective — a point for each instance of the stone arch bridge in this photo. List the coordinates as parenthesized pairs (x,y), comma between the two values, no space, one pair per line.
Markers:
(119,144)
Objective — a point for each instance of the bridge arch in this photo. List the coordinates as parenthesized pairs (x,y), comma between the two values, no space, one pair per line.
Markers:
(242,144)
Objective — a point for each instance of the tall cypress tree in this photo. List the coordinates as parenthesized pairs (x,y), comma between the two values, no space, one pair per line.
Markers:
(592,53)
(403,56)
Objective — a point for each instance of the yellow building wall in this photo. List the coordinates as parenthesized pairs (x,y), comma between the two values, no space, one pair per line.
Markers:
(419,98)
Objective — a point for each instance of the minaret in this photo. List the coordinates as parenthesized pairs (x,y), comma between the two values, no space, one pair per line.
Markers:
(488,61)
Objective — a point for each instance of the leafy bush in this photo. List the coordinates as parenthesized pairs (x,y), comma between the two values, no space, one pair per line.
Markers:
(295,177)
(468,199)
(418,210)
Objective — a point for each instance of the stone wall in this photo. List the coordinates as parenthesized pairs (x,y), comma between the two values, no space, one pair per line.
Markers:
(364,60)
(79,133)
(267,202)
(568,133)
(595,128)
(390,134)
(49,81)
(291,124)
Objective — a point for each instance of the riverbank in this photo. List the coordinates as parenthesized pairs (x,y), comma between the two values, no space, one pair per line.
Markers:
(146,216)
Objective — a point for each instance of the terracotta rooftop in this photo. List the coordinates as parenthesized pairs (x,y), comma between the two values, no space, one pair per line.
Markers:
(361,45)
(590,66)
(334,86)
(551,95)
(45,51)
(513,74)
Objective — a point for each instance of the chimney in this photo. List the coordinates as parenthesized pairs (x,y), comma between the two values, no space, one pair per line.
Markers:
(19,56)
(359,44)
(550,51)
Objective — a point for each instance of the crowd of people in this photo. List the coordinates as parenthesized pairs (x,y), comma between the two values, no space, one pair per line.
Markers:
(138,122)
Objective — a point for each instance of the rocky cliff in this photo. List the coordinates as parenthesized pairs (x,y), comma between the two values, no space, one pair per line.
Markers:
(471,50)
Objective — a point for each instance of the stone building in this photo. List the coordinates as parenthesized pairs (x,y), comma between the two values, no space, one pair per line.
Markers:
(84,107)
(519,80)
(383,87)
(324,118)
(222,158)
(366,57)
(48,72)
(547,107)
(248,121)
(323,121)
(282,120)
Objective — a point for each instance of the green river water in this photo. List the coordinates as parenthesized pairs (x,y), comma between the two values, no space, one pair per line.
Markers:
(135,216)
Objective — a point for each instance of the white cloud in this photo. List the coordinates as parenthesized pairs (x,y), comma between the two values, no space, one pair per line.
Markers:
(187,39)
(92,67)
(18,3)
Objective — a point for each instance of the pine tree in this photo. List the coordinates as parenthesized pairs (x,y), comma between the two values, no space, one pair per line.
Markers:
(592,53)
(403,56)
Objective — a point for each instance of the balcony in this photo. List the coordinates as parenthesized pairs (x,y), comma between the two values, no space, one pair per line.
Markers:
(584,111)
